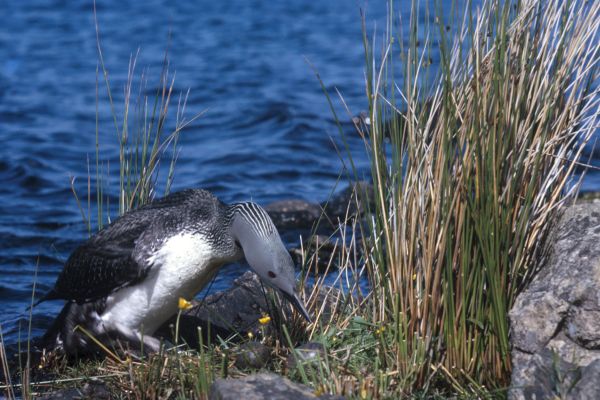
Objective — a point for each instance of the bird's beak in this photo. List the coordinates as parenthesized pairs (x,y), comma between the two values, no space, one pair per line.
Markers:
(297,303)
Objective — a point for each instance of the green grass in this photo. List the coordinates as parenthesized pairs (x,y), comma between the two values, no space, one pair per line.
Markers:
(470,166)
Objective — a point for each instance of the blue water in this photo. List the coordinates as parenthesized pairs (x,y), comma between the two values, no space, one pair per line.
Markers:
(267,134)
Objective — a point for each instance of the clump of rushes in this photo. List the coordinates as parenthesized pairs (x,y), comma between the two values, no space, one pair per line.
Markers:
(143,137)
(470,166)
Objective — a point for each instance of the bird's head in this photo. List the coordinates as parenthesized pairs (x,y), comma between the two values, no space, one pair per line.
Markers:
(264,251)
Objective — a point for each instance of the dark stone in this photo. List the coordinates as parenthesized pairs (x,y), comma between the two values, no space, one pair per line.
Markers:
(321,247)
(190,327)
(64,394)
(349,202)
(306,354)
(555,322)
(90,390)
(238,309)
(252,355)
(317,222)
(302,215)
(264,386)
(293,214)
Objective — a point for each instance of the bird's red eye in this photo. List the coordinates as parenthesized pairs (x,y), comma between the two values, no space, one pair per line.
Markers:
(272,274)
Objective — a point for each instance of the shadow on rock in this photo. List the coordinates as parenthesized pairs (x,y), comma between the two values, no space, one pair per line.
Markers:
(234,312)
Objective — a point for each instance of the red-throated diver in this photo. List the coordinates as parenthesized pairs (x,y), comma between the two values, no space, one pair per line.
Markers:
(125,281)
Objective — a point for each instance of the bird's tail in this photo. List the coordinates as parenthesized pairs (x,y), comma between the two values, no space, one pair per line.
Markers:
(64,335)
(51,295)
(54,336)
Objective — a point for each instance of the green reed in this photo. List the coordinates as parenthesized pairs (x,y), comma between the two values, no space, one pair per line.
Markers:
(144,136)
(470,167)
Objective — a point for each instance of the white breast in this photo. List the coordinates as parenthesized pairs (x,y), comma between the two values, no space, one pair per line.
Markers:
(181,268)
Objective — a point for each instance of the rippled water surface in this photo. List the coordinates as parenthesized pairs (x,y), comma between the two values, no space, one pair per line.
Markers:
(267,133)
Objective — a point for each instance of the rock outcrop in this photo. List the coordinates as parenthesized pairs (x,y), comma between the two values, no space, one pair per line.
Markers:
(90,390)
(293,214)
(310,227)
(555,322)
(261,387)
(306,354)
(296,214)
(237,311)
(252,355)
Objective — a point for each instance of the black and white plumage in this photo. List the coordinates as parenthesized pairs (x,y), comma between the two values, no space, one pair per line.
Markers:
(124,282)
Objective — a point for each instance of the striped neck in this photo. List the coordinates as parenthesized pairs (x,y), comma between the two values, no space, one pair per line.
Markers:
(255,216)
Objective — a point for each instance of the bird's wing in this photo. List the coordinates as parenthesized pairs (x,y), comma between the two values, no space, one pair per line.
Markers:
(92,273)
(118,256)
(110,260)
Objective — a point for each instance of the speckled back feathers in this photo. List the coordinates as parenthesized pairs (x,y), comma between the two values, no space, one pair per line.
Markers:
(117,256)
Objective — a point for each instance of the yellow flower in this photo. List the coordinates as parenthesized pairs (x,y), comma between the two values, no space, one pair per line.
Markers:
(363,392)
(264,320)
(319,391)
(184,304)
(250,335)
(379,331)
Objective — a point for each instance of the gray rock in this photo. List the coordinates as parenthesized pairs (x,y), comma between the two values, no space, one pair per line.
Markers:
(90,390)
(64,394)
(555,322)
(293,214)
(546,376)
(305,354)
(587,386)
(302,215)
(264,386)
(535,318)
(348,202)
(236,310)
(252,355)
(320,246)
